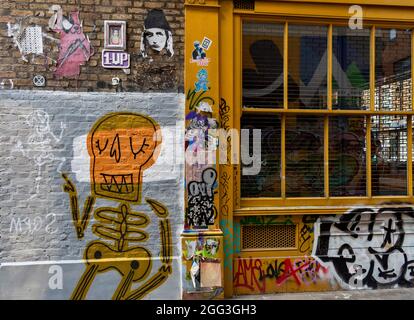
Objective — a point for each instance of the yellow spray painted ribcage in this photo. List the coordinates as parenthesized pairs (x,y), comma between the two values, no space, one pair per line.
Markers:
(121,226)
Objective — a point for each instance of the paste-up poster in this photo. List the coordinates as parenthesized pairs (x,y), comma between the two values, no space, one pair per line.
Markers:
(75,48)
(210,274)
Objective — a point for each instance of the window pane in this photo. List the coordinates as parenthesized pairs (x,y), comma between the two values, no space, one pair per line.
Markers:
(389,155)
(347,154)
(350,68)
(267,182)
(263,65)
(304,156)
(393,70)
(308,61)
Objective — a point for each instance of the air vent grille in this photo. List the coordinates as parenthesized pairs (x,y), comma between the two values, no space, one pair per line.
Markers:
(269,237)
(244,4)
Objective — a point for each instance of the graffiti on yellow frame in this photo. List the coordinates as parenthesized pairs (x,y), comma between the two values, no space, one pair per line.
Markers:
(121,146)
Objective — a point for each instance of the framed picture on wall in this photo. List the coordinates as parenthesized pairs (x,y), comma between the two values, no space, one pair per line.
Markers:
(115,35)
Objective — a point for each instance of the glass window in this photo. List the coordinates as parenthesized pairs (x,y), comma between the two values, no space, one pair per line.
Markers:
(267,182)
(308,62)
(350,69)
(389,155)
(304,156)
(325,151)
(263,65)
(347,153)
(393,70)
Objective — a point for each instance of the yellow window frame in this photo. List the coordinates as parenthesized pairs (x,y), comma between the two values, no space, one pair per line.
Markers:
(326,204)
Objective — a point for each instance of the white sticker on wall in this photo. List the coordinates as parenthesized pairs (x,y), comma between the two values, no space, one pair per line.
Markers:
(32,41)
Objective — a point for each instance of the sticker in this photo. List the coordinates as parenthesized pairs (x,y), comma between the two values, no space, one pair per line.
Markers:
(210,274)
(199,54)
(115,59)
(202,83)
(39,81)
(32,41)
(206,43)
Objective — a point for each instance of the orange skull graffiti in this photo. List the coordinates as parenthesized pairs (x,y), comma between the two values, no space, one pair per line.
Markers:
(121,147)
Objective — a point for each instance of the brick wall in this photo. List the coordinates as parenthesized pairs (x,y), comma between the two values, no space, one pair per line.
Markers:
(162,73)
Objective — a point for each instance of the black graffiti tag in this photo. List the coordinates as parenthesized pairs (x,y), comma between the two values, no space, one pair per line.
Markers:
(201,211)
(369,244)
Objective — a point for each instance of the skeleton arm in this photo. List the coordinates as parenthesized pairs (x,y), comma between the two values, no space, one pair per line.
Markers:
(62,128)
(80,223)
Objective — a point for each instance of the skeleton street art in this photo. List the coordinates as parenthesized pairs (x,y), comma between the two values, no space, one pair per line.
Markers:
(75,48)
(121,146)
(157,34)
(40,146)
(368,247)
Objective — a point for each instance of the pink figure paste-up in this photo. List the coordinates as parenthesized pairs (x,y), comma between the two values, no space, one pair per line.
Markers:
(74,49)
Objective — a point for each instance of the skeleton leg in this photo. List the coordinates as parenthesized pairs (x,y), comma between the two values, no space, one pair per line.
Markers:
(163,272)
(80,223)
(85,282)
(124,286)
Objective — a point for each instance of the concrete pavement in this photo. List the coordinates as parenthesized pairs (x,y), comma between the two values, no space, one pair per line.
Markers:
(383,294)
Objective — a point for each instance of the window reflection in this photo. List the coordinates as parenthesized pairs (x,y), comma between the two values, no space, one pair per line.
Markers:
(263,65)
(389,155)
(350,68)
(308,61)
(393,70)
(347,156)
(267,182)
(304,156)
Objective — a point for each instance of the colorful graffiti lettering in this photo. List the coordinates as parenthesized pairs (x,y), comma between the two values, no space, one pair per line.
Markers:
(248,274)
(253,273)
(121,147)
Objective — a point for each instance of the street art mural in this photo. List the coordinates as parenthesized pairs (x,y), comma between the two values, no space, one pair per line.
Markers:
(121,146)
(200,121)
(294,271)
(201,211)
(368,247)
(200,146)
(29,39)
(365,248)
(266,275)
(41,146)
(157,34)
(202,266)
(75,48)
